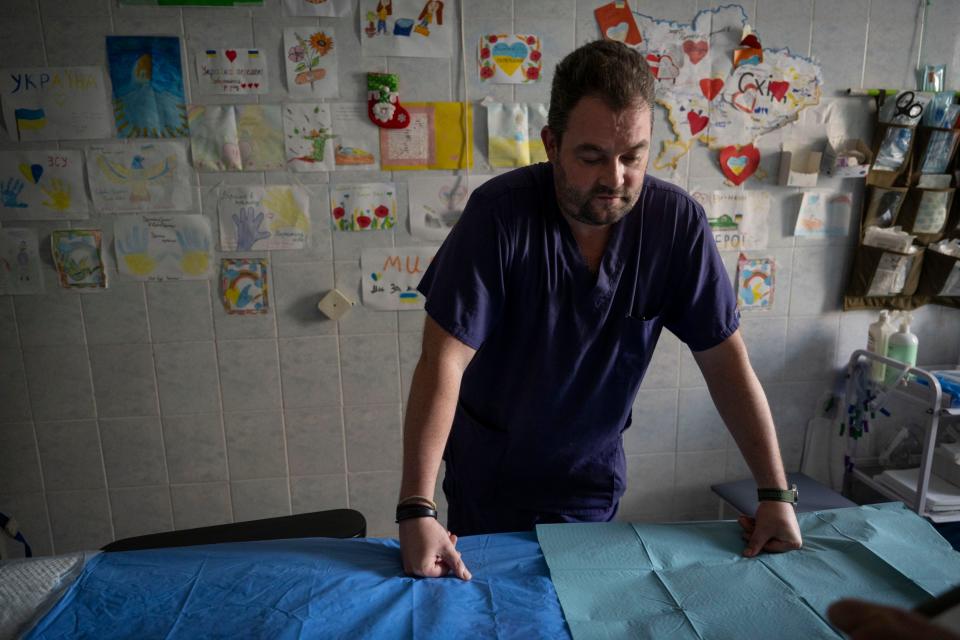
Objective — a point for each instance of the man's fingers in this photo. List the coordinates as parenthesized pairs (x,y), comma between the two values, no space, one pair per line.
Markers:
(755,543)
(451,558)
(776,545)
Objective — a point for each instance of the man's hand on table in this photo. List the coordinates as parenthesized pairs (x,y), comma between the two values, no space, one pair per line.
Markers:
(429,550)
(773,529)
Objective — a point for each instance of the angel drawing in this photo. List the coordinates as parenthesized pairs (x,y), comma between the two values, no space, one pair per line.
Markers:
(137,177)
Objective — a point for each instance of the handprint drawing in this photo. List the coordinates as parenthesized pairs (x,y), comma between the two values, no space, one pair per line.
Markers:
(289,215)
(59,195)
(196,251)
(248,223)
(133,248)
(10,193)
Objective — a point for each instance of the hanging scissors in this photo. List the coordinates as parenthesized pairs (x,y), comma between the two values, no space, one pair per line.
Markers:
(906,106)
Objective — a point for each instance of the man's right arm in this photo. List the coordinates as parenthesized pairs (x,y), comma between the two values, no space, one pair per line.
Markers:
(427,547)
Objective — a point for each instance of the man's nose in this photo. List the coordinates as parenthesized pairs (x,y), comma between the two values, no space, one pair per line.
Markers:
(612,175)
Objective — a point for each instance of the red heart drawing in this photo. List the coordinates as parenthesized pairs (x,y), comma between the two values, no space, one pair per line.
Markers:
(745,100)
(254,84)
(696,50)
(697,122)
(231,54)
(778,88)
(739,163)
(711,87)
(653,60)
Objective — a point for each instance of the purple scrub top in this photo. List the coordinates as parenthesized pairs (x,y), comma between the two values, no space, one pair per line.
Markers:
(561,351)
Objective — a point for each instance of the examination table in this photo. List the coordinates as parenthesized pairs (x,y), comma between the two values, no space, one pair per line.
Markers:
(614,580)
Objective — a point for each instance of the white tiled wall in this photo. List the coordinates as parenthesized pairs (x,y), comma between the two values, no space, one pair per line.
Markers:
(146,408)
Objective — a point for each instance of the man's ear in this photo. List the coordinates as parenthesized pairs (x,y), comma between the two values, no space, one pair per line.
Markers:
(551,142)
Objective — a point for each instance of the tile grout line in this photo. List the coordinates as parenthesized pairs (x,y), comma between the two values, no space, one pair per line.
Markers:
(33,425)
(96,419)
(223,417)
(156,386)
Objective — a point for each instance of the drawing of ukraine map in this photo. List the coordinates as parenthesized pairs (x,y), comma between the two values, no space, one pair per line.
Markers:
(711,99)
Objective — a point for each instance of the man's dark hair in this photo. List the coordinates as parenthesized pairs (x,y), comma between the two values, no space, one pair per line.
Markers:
(606,69)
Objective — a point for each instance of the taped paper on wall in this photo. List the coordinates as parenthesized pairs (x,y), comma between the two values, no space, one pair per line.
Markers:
(513,133)
(357,140)
(391,276)
(20,262)
(412,146)
(369,206)
(308,136)
(311,61)
(719,87)
(510,58)
(150,176)
(324,8)
(238,71)
(243,286)
(260,135)
(824,214)
(213,137)
(414,28)
(55,103)
(264,218)
(78,258)
(738,220)
(755,282)
(434,140)
(436,203)
(161,247)
(148,97)
(237,137)
(42,185)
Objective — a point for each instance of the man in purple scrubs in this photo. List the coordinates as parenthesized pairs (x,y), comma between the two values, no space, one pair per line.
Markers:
(543,309)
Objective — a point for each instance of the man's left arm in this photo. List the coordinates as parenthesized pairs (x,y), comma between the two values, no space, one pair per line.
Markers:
(740,400)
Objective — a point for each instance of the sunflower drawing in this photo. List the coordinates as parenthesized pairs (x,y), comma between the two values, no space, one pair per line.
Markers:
(321,43)
(308,68)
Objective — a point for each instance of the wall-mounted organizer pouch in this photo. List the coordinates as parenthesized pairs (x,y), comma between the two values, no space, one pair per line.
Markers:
(883,278)
(924,213)
(940,280)
(934,149)
(953,222)
(883,205)
(892,145)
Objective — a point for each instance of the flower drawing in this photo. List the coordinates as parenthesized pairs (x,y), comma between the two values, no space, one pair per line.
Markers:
(296,53)
(307,54)
(321,43)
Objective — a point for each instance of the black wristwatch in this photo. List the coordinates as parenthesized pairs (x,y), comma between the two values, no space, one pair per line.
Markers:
(790,495)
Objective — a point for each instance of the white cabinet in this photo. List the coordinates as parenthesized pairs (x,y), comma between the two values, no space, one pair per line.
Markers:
(931,497)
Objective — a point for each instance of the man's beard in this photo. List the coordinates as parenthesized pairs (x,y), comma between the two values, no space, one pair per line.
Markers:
(580,206)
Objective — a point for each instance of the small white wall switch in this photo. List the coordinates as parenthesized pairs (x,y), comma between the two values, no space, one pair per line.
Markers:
(335,304)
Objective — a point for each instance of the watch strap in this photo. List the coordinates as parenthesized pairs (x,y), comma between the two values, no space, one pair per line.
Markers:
(409,511)
(790,495)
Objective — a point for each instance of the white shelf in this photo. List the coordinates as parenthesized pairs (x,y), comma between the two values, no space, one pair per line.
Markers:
(931,400)
(911,501)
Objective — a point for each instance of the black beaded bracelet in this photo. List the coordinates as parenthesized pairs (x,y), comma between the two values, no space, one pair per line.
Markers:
(408,511)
